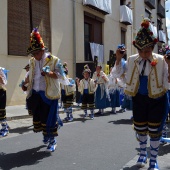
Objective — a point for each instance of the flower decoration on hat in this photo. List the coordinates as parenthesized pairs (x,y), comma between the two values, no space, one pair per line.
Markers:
(145,23)
(86,69)
(145,36)
(36,42)
(86,66)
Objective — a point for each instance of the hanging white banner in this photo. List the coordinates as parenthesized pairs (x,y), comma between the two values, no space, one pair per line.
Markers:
(104,5)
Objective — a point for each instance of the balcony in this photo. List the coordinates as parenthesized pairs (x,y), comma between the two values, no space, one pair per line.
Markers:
(154,30)
(162,36)
(150,3)
(161,11)
(126,16)
(103,6)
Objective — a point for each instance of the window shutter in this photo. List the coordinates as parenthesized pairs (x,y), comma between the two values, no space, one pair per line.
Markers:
(18,27)
(41,19)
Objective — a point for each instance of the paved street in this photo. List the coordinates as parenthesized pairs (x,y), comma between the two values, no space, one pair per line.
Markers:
(105,143)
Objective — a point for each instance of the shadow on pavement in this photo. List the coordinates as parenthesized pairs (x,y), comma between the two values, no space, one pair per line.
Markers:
(134,167)
(164,149)
(122,121)
(21,130)
(106,113)
(81,119)
(22,158)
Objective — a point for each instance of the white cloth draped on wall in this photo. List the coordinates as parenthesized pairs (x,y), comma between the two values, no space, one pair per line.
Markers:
(126,14)
(154,30)
(162,36)
(104,5)
(97,50)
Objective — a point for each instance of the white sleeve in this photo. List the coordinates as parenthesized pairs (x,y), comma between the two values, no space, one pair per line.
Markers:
(3,77)
(118,70)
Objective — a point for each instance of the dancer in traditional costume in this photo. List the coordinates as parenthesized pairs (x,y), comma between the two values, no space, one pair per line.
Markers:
(147,83)
(114,92)
(67,95)
(28,101)
(45,75)
(87,87)
(101,93)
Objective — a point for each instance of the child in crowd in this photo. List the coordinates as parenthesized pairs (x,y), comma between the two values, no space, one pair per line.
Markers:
(87,88)
(101,93)
(67,95)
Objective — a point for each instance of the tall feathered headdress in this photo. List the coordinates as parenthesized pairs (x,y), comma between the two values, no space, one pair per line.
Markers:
(36,42)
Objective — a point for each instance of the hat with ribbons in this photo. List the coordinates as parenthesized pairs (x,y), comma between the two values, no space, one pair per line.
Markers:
(86,69)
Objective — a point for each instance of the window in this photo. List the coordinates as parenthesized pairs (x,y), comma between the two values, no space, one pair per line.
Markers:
(147,13)
(92,33)
(158,2)
(123,36)
(123,39)
(87,39)
(122,2)
(23,16)
(159,24)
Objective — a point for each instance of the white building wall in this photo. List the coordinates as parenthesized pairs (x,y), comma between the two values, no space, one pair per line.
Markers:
(61,15)
(14,64)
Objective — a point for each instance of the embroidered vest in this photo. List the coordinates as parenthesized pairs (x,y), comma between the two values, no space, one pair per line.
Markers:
(52,90)
(69,90)
(91,86)
(155,77)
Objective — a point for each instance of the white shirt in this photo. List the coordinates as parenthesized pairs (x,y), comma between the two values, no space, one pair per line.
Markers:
(147,68)
(39,80)
(86,83)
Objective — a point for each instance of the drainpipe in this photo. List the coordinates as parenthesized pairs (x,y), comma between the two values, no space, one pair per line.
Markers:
(74,39)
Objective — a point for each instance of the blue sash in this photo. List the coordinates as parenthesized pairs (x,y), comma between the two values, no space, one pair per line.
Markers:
(143,85)
(86,91)
(53,116)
